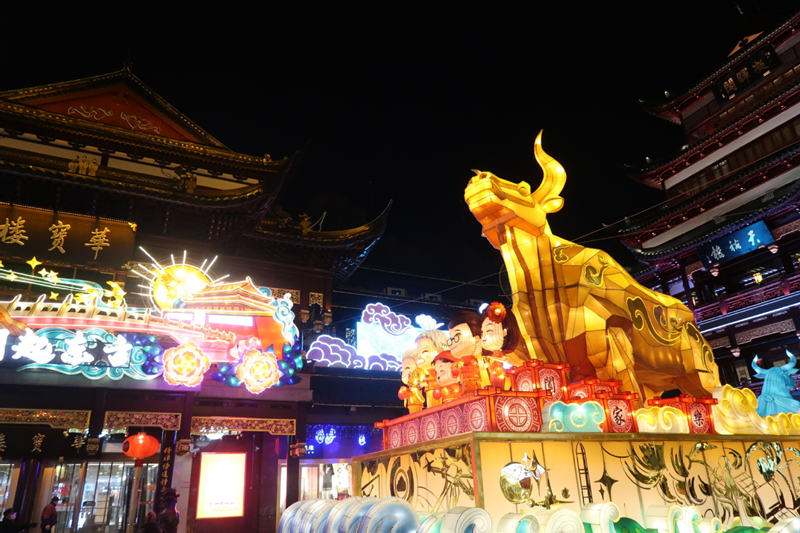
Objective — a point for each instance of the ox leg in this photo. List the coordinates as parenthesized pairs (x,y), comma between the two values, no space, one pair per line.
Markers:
(692,384)
(702,374)
(620,352)
(609,348)
(611,353)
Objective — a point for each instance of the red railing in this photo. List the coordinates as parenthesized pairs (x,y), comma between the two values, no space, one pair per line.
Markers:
(749,297)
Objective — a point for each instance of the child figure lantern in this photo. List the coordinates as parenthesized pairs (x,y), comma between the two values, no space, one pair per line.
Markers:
(412,377)
(446,370)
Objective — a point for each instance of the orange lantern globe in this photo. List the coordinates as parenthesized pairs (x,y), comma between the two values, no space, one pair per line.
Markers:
(140,446)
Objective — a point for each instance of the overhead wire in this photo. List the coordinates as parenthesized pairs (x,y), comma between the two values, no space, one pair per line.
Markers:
(447,289)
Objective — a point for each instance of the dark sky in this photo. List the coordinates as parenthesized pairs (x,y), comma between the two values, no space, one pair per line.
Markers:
(400,102)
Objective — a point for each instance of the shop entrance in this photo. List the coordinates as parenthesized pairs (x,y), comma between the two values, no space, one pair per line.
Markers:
(101,505)
(329,479)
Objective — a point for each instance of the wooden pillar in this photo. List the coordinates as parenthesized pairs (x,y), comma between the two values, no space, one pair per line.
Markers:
(787,263)
(292,461)
(662,282)
(98,416)
(27,487)
(269,480)
(686,289)
(96,421)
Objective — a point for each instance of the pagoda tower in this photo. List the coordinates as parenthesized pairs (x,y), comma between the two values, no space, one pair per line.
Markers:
(726,240)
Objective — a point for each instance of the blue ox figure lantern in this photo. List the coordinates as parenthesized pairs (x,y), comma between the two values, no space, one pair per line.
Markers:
(775,396)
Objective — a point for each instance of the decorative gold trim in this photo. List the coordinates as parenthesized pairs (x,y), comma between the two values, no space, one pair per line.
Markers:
(122,420)
(784,326)
(278,292)
(218,424)
(55,418)
(316,298)
(122,178)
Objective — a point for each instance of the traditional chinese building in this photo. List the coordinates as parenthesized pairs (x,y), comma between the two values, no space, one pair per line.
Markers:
(726,239)
(100,178)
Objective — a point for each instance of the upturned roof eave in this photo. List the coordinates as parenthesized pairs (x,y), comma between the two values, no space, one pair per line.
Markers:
(239,200)
(645,175)
(368,233)
(101,80)
(646,220)
(705,84)
(705,233)
(18,116)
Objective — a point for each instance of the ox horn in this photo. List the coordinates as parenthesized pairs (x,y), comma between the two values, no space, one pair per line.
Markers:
(547,194)
(790,366)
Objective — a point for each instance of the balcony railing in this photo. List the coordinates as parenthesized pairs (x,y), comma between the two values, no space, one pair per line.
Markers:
(740,300)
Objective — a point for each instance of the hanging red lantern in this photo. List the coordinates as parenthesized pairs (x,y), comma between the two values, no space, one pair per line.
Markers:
(140,446)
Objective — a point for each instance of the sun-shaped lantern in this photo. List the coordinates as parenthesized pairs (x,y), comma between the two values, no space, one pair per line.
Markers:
(169,284)
(175,283)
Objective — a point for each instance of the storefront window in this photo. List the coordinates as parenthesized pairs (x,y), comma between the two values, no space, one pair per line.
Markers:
(334,481)
(6,469)
(331,481)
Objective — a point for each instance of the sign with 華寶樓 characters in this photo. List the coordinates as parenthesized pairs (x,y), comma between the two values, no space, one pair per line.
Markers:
(63,237)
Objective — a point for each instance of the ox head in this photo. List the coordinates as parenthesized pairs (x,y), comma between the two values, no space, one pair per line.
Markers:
(496,202)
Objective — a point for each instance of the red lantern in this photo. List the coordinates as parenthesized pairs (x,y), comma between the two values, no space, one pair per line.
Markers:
(140,446)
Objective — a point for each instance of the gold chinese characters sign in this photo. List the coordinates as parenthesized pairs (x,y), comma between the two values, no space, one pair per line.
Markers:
(26,232)
(577,305)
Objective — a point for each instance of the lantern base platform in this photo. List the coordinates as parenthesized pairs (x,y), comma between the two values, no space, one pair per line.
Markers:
(509,411)
(645,476)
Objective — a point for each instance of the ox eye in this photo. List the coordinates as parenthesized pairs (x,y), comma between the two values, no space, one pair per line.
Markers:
(523,187)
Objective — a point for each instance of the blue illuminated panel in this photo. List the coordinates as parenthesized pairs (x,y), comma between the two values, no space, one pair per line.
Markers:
(735,244)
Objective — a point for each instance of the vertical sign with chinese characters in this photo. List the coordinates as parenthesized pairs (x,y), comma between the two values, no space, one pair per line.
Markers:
(735,244)
(166,465)
(26,232)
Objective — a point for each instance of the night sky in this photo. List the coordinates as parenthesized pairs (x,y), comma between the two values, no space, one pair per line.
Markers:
(400,102)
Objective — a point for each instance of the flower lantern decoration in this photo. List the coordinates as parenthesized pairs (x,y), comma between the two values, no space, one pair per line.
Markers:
(185,365)
(140,446)
(258,370)
(496,312)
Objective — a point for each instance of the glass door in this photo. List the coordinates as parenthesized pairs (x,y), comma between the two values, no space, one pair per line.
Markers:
(106,495)
(66,485)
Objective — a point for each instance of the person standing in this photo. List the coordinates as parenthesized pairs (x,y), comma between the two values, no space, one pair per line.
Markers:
(151,523)
(49,516)
(10,524)
(169,518)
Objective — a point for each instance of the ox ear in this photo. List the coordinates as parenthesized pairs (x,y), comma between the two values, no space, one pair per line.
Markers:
(553,204)
(523,187)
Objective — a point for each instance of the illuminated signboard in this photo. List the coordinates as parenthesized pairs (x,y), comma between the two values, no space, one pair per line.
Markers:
(735,244)
(233,332)
(50,236)
(93,352)
(221,492)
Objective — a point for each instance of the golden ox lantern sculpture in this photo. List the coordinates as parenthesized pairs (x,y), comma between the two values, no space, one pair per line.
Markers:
(576,305)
